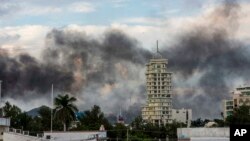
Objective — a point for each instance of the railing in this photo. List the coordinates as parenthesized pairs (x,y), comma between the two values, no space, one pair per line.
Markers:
(26,133)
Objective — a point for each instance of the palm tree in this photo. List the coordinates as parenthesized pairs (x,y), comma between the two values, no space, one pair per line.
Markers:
(65,109)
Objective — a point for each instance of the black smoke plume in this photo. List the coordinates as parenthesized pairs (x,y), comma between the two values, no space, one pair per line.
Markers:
(210,56)
(110,71)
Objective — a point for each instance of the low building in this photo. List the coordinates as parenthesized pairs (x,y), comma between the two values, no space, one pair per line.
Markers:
(182,115)
(4,126)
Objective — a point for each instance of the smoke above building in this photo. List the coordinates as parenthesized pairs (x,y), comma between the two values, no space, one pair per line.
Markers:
(110,71)
(210,60)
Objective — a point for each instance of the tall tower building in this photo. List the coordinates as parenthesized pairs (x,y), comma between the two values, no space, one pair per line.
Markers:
(158,109)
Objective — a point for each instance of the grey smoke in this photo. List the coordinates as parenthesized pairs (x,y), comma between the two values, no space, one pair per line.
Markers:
(212,52)
(110,71)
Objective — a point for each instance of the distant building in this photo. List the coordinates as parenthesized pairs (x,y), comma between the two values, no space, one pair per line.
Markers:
(227,108)
(240,96)
(182,115)
(120,118)
(158,109)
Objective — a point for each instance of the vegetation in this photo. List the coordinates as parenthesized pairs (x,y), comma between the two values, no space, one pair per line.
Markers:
(92,119)
(241,115)
(65,109)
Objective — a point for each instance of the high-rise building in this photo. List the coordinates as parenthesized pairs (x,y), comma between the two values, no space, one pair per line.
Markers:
(158,109)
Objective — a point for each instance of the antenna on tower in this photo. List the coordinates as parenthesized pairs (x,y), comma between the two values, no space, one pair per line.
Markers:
(157,55)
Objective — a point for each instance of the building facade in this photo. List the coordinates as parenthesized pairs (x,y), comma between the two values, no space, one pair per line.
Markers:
(158,109)
(240,96)
(182,115)
(227,108)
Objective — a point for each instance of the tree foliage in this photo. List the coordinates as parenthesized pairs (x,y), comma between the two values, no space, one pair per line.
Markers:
(65,109)
(93,119)
(240,115)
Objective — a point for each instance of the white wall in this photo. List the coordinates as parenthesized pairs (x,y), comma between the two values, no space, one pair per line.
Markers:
(67,136)
(56,136)
(210,139)
(202,132)
(9,136)
(2,129)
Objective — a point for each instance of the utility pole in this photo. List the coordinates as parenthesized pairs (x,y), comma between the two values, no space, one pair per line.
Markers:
(1,97)
(127,134)
(51,120)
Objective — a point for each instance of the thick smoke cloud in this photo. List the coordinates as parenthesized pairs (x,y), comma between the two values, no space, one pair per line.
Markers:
(209,54)
(24,73)
(110,71)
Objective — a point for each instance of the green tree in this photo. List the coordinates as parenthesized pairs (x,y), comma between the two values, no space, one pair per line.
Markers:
(199,122)
(42,122)
(13,112)
(65,109)
(23,121)
(93,119)
(45,117)
(142,130)
(240,115)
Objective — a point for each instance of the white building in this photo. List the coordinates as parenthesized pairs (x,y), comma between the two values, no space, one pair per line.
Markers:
(4,126)
(182,115)
(158,109)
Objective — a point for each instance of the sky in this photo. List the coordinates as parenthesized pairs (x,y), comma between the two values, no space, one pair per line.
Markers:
(143,18)
(26,24)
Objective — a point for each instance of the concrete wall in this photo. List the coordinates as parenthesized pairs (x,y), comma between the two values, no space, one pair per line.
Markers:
(209,139)
(68,136)
(2,130)
(56,136)
(9,136)
(202,132)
